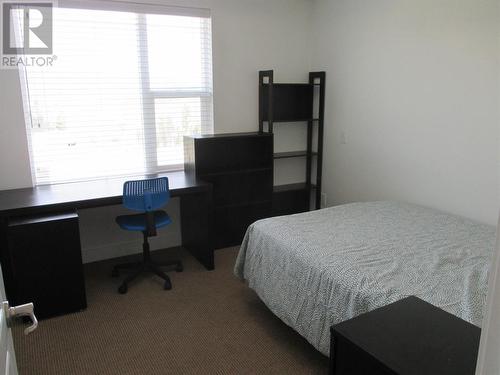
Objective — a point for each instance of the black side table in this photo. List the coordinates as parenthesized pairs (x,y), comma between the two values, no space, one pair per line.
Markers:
(408,337)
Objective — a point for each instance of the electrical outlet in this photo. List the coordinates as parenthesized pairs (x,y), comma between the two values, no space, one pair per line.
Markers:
(323,200)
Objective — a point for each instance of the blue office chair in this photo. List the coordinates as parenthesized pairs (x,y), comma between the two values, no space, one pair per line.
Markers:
(145,196)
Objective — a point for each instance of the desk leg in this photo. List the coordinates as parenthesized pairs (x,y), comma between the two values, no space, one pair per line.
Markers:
(196,227)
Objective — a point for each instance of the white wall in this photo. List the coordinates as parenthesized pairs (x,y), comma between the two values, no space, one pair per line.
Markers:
(248,35)
(14,158)
(413,85)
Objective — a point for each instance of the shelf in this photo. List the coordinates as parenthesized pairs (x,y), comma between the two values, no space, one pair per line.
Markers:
(237,171)
(289,84)
(243,204)
(293,102)
(294,120)
(292,84)
(291,154)
(225,135)
(292,187)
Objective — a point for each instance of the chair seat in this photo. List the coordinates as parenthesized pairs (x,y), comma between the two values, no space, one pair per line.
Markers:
(138,222)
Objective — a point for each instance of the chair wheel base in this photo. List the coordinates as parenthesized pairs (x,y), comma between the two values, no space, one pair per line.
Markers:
(146,266)
(167,285)
(122,289)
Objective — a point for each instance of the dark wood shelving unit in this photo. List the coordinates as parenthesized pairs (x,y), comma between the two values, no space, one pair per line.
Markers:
(285,120)
(240,167)
(295,103)
(292,154)
(292,187)
(239,171)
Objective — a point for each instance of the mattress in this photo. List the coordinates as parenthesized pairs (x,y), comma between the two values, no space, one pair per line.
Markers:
(322,267)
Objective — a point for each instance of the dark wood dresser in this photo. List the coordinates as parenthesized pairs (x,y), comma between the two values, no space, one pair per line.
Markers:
(240,167)
(408,337)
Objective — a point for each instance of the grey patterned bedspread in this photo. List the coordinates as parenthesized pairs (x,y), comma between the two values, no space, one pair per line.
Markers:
(322,267)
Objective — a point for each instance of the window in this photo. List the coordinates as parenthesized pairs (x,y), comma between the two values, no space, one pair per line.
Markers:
(127,84)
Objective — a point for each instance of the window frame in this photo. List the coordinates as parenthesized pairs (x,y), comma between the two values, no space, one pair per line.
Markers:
(148,94)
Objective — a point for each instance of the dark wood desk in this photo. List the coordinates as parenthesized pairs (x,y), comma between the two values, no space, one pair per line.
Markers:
(195,203)
(88,194)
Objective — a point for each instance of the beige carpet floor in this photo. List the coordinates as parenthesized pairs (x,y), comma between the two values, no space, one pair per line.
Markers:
(209,323)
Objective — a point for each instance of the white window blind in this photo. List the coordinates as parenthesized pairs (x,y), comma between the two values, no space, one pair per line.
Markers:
(126,86)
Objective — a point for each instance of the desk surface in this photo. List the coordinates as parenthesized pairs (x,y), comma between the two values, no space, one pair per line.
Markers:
(78,195)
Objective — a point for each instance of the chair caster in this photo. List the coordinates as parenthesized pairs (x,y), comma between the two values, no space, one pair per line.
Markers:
(115,273)
(167,285)
(122,289)
(179,268)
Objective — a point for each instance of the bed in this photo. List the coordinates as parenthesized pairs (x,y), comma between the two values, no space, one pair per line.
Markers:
(319,268)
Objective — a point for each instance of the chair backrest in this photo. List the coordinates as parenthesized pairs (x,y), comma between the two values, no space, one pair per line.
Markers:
(146,195)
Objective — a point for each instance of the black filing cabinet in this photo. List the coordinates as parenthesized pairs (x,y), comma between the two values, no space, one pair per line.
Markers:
(45,264)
